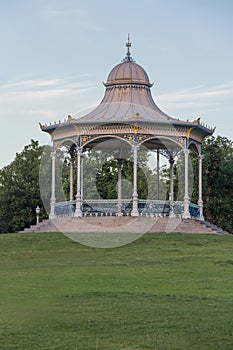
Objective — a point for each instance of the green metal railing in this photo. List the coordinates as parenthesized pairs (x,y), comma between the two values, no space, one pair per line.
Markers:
(113,207)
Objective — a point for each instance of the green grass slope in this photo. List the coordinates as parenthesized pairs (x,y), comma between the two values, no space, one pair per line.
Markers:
(164,291)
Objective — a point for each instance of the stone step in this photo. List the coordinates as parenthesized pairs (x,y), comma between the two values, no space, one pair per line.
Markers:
(214,227)
(44,226)
(108,221)
(135,225)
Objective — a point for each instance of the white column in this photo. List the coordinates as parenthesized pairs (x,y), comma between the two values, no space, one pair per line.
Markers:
(71,179)
(186,214)
(52,214)
(171,161)
(82,160)
(200,201)
(135,189)
(78,212)
(158,174)
(119,183)
(171,196)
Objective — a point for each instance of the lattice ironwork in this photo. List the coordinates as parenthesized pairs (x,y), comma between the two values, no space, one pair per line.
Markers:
(105,207)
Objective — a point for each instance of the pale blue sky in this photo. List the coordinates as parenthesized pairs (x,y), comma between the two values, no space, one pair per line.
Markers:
(55,55)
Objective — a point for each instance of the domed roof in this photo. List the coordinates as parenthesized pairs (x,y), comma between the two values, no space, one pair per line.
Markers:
(128,72)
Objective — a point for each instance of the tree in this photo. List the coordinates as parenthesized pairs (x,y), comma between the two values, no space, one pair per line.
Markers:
(218,181)
(19,190)
(100,175)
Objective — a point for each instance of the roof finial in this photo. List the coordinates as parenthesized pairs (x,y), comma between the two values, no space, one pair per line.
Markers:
(128,45)
(128,57)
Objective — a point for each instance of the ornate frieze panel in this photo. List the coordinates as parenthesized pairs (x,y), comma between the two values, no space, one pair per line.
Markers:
(176,135)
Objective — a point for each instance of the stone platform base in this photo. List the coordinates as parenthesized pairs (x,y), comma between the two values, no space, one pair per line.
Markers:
(126,224)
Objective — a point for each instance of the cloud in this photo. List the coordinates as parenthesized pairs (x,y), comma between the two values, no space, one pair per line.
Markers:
(55,96)
(198,98)
(31,83)
(199,92)
(60,96)
(46,86)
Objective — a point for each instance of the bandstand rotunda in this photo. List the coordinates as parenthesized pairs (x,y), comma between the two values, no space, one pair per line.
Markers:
(128,115)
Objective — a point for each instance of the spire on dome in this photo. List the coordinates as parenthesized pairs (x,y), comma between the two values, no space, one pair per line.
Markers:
(128,57)
(128,45)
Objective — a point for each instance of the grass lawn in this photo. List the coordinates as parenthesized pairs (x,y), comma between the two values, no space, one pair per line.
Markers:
(164,291)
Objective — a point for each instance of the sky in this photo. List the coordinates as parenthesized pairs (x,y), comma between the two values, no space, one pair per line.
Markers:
(55,54)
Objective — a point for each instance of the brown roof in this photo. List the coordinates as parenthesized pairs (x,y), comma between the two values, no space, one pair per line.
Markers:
(128,72)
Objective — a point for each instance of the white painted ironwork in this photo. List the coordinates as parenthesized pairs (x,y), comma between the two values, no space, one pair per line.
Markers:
(200,201)
(78,211)
(135,189)
(53,187)
(186,214)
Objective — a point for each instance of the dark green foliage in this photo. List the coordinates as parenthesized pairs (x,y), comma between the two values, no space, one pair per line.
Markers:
(62,176)
(100,176)
(218,181)
(107,178)
(179,177)
(19,190)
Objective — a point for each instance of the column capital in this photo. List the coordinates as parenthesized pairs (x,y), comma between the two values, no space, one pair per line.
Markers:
(186,151)
(135,147)
(201,156)
(53,154)
(120,161)
(171,161)
(79,150)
